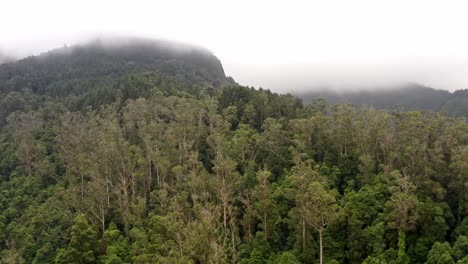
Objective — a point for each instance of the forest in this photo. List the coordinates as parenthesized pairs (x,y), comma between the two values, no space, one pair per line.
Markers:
(403,97)
(109,156)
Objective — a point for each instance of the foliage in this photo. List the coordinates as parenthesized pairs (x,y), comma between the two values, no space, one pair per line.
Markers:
(174,163)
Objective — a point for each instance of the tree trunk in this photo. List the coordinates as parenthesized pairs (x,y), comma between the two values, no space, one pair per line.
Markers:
(150,177)
(82,188)
(133,186)
(303,236)
(224,215)
(321,247)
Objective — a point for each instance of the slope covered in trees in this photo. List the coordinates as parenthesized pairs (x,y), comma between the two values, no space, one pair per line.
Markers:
(100,72)
(457,104)
(75,70)
(402,98)
(158,168)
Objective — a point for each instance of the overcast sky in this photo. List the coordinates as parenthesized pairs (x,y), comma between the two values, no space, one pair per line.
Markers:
(281,45)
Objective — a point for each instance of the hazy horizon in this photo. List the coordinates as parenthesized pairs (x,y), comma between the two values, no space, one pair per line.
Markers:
(285,47)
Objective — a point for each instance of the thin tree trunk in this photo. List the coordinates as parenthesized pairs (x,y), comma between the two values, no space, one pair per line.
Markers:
(82,187)
(233,242)
(133,186)
(150,176)
(321,247)
(303,236)
(224,215)
(103,226)
(225,202)
(158,179)
(103,219)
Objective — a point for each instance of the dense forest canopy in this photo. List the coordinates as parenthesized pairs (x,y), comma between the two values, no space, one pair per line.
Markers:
(137,154)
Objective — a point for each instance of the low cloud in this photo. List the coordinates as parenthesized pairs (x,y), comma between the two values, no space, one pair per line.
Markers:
(444,73)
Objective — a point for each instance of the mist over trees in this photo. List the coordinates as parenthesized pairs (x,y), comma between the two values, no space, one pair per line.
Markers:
(138,155)
(4,58)
(406,97)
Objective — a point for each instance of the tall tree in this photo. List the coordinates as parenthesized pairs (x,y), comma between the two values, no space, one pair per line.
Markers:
(323,209)
(263,201)
(403,205)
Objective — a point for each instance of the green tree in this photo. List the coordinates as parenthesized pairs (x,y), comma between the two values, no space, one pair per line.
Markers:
(285,258)
(323,209)
(263,201)
(440,253)
(403,215)
(83,246)
(460,248)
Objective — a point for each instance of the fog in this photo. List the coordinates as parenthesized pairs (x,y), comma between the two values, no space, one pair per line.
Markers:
(437,73)
(280,45)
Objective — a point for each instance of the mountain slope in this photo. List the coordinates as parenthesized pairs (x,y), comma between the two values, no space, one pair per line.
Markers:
(404,98)
(457,104)
(73,70)
(106,71)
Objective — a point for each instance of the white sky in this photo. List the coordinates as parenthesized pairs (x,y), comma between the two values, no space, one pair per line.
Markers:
(281,45)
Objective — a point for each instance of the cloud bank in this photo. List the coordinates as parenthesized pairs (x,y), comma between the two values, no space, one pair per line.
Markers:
(282,45)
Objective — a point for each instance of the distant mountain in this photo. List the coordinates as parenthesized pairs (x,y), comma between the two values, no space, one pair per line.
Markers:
(69,70)
(404,98)
(457,104)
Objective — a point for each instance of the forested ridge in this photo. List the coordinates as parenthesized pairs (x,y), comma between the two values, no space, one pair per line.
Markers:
(106,158)
(406,97)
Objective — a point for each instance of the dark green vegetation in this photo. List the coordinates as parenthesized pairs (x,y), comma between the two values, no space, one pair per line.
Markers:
(404,98)
(116,156)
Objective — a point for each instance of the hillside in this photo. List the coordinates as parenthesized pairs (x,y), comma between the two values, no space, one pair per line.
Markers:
(145,152)
(456,104)
(402,98)
(74,70)
(104,71)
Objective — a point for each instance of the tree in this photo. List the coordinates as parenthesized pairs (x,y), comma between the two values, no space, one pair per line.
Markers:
(83,247)
(30,151)
(285,258)
(263,202)
(323,209)
(460,248)
(439,254)
(11,256)
(459,183)
(117,247)
(294,188)
(403,204)
(365,231)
